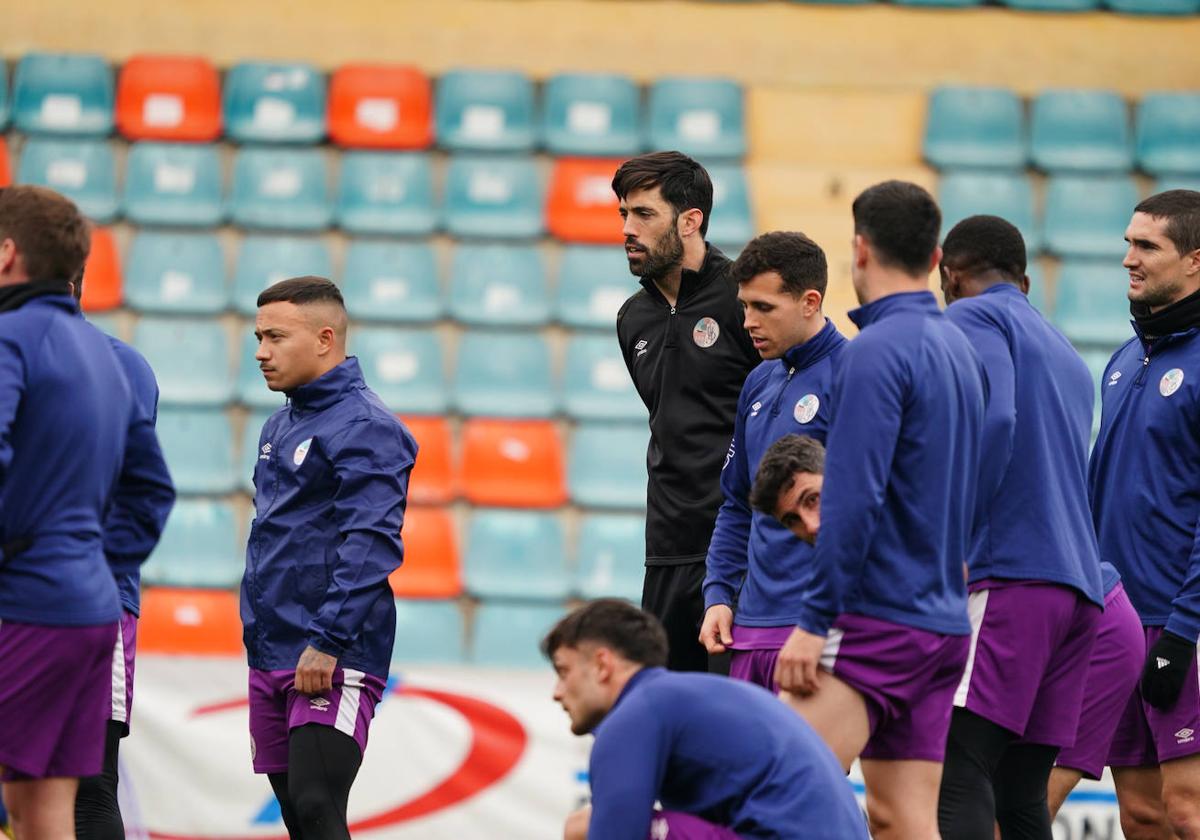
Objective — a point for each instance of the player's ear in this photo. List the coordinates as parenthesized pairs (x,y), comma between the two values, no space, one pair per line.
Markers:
(1191,263)
(812,302)
(935,260)
(862,251)
(690,221)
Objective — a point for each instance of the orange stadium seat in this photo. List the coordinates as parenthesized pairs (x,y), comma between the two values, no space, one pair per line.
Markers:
(102,275)
(197,622)
(430,567)
(169,98)
(380,106)
(5,164)
(513,463)
(434,479)
(580,205)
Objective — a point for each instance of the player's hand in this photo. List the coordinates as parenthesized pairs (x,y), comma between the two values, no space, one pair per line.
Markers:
(1165,670)
(796,668)
(717,631)
(314,671)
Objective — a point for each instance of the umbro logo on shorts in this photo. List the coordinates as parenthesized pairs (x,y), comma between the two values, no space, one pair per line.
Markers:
(319,703)
(660,829)
(1184,736)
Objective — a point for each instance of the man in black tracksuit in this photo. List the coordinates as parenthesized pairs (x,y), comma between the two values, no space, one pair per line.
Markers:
(683,342)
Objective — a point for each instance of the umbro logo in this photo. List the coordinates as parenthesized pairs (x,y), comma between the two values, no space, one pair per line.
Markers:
(266,452)
(319,703)
(1112,380)
(1184,736)
(1162,663)
(641,346)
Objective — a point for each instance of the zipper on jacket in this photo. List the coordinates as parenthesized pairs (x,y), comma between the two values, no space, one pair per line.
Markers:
(670,342)
(1137,383)
(779,396)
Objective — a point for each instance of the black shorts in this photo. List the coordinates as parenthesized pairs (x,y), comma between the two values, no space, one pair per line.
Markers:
(673,594)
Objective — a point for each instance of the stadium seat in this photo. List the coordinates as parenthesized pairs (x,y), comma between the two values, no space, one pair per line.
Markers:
(596,383)
(274,103)
(1053,5)
(607,465)
(1168,133)
(1008,195)
(581,205)
(5,163)
(176,273)
(434,479)
(249,448)
(404,367)
(593,283)
(380,106)
(103,285)
(391,281)
(958,4)
(198,446)
(499,197)
(510,635)
(63,94)
(1087,216)
(430,567)
(516,554)
(1097,362)
(1155,7)
(611,556)
(499,285)
(173,184)
(200,547)
(1037,287)
(428,632)
(264,260)
(190,358)
(1177,182)
(169,98)
(386,192)
(485,111)
(108,323)
(731,222)
(1080,131)
(504,374)
(975,127)
(82,170)
(1092,307)
(190,622)
(251,388)
(5,104)
(591,114)
(281,189)
(512,463)
(703,118)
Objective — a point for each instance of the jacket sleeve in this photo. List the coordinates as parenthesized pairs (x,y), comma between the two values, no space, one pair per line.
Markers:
(1184,620)
(625,779)
(371,464)
(727,551)
(12,388)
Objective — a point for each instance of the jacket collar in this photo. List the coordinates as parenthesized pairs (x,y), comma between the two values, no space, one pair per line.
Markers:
(714,263)
(325,390)
(922,302)
(1003,289)
(632,682)
(816,348)
(56,294)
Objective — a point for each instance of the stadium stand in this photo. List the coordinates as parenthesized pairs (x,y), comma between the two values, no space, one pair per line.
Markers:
(591,115)
(63,94)
(504,374)
(516,554)
(264,102)
(386,193)
(380,106)
(83,170)
(485,111)
(174,272)
(392,281)
(515,463)
(177,184)
(494,285)
(431,568)
(103,283)
(168,98)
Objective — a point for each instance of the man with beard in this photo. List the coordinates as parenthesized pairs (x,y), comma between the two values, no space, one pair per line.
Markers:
(683,342)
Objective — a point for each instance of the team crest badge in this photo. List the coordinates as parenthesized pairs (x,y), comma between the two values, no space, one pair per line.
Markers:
(706,332)
(806,408)
(1170,382)
(301,452)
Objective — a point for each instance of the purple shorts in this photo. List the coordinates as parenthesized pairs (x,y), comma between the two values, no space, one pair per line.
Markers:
(755,652)
(276,708)
(907,678)
(1112,679)
(1146,735)
(1031,643)
(121,701)
(54,689)
(675,825)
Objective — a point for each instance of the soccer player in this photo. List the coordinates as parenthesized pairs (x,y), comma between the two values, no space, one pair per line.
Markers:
(65,412)
(882,631)
(781,283)
(725,759)
(1033,568)
(330,484)
(788,485)
(682,339)
(1146,511)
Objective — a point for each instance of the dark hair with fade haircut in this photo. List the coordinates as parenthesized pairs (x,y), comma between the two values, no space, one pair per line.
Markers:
(302,290)
(901,220)
(777,470)
(1181,209)
(985,243)
(684,183)
(633,633)
(50,233)
(793,256)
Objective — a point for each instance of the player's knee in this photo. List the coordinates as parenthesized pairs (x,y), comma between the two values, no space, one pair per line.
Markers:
(313,805)
(1142,819)
(1182,806)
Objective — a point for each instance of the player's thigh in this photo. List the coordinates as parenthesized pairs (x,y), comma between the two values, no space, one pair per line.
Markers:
(1062,781)
(42,806)
(837,713)
(902,798)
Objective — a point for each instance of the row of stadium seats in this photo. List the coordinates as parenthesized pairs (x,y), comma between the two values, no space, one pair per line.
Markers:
(372,106)
(1131,7)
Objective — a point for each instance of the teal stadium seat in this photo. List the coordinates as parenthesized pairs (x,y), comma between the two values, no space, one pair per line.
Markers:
(174,184)
(1087,216)
(176,273)
(428,632)
(1155,7)
(1168,133)
(63,94)
(198,446)
(251,388)
(387,193)
(593,282)
(497,197)
(504,374)
(485,111)
(1081,131)
(596,383)
(82,170)
(392,281)
(732,222)
(607,465)
(106,322)
(516,554)
(404,366)
(976,128)
(1053,5)
(957,4)
(274,103)
(510,635)
(1092,308)
(1008,195)
(280,189)
(190,357)
(5,104)
(200,547)
(592,114)
(704,118)
(263,260)
(1037,288)
(611,556)
(1097,362)
(1177,182)
(249,451)
(499,285)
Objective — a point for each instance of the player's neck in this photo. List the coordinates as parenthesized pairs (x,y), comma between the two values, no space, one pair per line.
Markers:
(885,283)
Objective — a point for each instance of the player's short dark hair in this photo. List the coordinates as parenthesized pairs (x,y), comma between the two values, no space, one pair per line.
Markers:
(796,258)
(1181,209)
(633,633)
(985,243)
(777,470)
(901,221)
(50,233)
(684,182)
(302,290)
